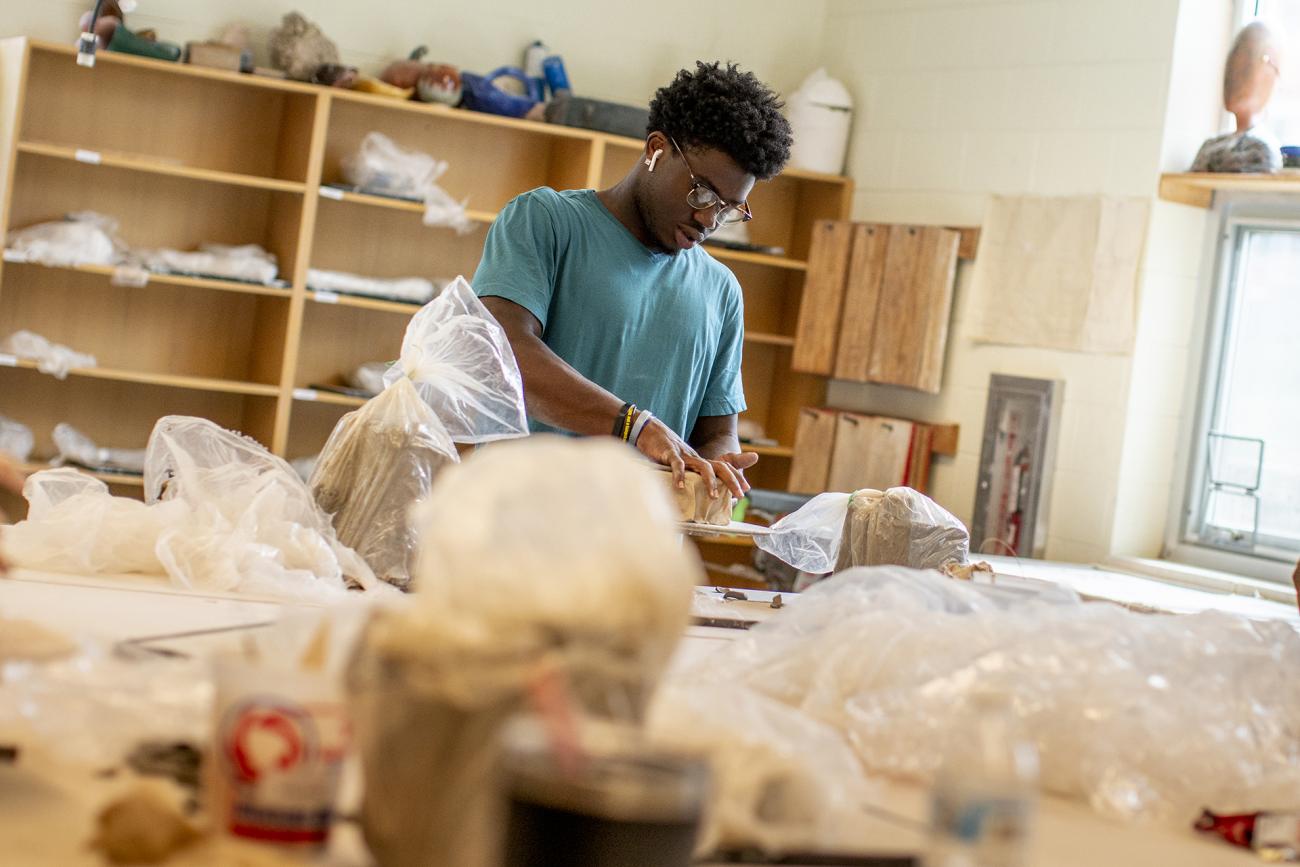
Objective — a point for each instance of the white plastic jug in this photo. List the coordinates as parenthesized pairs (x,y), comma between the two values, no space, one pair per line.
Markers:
(820,114)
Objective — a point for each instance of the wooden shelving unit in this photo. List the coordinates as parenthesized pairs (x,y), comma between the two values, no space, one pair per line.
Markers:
(182,156)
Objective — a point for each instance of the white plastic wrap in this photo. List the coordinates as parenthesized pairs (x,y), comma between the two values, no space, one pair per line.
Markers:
(255,526)
(384,168)
(247,263)
(16,439)
(416,290)
(84,238)
(1145,717)
(898,527)
(369,376)
(223,514)
(377,463)
(77,448)
(461,363)
(53,358)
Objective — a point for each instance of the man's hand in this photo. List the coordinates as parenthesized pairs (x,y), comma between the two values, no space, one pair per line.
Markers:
(660,444)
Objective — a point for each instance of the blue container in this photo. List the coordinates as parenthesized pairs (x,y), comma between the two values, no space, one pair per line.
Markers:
(556,78)
(1291,157)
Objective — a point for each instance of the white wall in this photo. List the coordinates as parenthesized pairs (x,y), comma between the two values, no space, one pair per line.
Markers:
(619,51)
(957,100)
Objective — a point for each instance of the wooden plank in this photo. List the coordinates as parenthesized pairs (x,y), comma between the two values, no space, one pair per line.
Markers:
(919,457)
(862,299)
(727,255)
(136,163)
(870,452)
(1176,188)
(823,297)
(813,444)
(970,241)
(912,327)
(945,439)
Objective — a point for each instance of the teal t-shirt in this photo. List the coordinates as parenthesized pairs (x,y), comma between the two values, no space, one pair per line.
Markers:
(662,331)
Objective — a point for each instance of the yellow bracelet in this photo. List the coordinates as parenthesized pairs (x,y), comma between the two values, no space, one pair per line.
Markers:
(627,422)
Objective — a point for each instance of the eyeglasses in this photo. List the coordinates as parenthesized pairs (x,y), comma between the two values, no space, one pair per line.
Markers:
(702,198)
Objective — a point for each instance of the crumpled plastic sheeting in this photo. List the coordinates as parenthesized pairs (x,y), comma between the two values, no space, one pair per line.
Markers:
(780,779)
(1144,717)
(416,290)
(223,514)
(461,363)
(898,527)
(53,358)
(369,376)
(383,167)
(16,439)
(77,448)
(247,263)
(83,238)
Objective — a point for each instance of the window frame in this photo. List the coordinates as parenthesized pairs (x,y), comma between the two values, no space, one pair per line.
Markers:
(1231,214)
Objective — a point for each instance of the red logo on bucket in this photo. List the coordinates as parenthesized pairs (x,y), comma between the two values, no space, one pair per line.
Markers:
(261,737)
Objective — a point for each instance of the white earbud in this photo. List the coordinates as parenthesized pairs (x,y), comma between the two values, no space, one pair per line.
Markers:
(654,158)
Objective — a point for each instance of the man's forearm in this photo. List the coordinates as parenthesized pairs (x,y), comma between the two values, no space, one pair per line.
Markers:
(558,395)
(717,445)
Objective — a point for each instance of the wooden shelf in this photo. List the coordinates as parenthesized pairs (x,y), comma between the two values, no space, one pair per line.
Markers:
(335,194)
(769,339)
(1198,188)
(107,478)
(158,167)
(728,541)
(726,254)
(167,279)
(168,380)
(402,307)
(768,451)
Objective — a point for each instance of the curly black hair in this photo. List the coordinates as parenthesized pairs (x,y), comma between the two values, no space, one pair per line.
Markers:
(721,107)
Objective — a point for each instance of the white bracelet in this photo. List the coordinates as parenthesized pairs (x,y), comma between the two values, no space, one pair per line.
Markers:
(642,419)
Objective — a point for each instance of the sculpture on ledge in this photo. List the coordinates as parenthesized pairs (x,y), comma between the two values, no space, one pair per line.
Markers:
(1253,68)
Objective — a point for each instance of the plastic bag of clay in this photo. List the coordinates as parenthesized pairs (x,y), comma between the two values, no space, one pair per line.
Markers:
(53,358)
(548,554)
(77,448)
(1146,718)
(415,290)
(16,439)
(254,525)
(461,363)
(809,538)
(377,463)
(83,238)
(384,168)
(74,525)
(247,263)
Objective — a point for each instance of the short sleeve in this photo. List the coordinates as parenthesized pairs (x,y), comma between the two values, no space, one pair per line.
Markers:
(520,255)
(724,394)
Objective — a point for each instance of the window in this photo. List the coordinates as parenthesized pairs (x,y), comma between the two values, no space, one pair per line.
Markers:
(1244,494)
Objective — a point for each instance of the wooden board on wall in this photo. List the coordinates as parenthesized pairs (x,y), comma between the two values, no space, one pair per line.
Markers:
(870,452)
(862,301)
(813,443)
(912,323)
(823,297)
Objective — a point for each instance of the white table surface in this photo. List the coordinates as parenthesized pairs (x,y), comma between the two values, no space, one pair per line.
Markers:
(44,820)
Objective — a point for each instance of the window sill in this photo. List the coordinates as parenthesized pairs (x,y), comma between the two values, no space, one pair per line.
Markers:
(1198,577)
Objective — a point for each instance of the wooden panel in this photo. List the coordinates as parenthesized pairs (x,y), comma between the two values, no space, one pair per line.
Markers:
(379,242)
(816,200)
(814,443)
(945,439)
(771,297)
(570,162)
(757,373)
(791,391)
(488,165)
(970,241)
(862,301)
(619,160)
(823,297)
(912,325)
(919,457)
(870,452)
(293,151)
(117,414)
(337,339)
(185,121)
(160,330)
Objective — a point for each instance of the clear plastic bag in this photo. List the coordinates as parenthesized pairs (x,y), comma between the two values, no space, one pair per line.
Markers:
(382,167)
(377,463)
(246,263)
(53,358)
(369,376)
(255,525)
(898,527)
(77,448)
(1145,717)
(83,238)
(415,290)
(16,439)
(461,363)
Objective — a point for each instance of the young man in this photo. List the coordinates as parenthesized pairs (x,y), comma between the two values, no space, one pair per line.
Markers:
(620,322)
